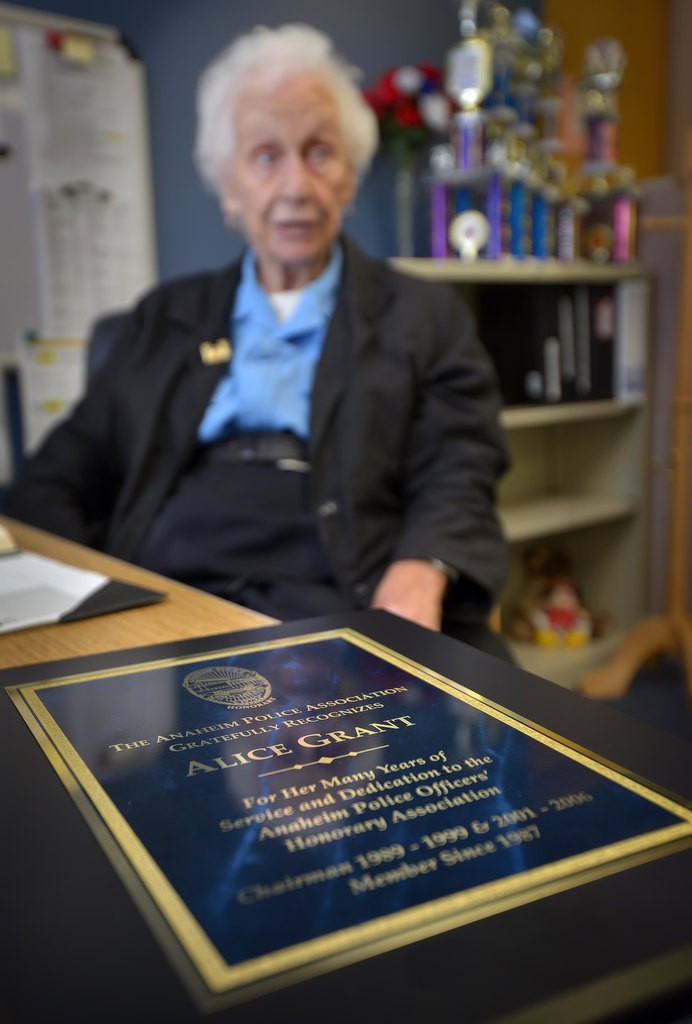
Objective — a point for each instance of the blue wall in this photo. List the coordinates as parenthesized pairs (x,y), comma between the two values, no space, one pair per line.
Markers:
(175,39)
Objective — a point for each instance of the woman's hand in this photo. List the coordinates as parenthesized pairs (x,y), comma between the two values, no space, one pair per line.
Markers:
(414,589)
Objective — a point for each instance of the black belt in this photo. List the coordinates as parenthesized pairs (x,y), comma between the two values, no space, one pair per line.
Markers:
(285,451)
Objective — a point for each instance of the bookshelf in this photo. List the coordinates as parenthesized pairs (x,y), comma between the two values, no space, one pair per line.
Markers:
(578,477)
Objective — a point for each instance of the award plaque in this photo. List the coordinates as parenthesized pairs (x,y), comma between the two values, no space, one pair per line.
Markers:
(282,806)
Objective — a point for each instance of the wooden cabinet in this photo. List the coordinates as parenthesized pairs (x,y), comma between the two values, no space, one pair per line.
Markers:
(578,476)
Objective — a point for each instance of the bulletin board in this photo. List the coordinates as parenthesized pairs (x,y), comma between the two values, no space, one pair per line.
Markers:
(76,210)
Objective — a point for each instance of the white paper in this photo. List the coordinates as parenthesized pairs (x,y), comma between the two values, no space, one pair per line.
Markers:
(78,117)
(52,374)
(85,268)
(35,590)
(87,183)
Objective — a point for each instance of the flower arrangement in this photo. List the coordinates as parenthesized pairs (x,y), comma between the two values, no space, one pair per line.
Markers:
(411,108)
(412,111)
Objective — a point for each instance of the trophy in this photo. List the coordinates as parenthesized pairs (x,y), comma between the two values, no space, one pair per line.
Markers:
(441,161)
(468,81)
(501,117)
(503,44)
(550,51)
(625,209)
(526,70)
(604,66)
(569,222)
(610,231)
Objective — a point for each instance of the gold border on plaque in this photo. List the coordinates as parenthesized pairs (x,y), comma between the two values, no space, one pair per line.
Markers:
(211,982)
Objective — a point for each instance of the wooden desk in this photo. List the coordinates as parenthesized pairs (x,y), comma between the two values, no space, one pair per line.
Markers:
(186,613)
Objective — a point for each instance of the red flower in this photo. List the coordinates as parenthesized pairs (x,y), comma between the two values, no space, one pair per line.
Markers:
(432,74)
(405,124)
(406,112)
(385,89)
(376,102)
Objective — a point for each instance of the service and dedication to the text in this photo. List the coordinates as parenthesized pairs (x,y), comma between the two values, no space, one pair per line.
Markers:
(289,806)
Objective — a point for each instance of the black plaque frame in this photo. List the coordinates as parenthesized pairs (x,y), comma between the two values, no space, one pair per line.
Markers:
(577,727)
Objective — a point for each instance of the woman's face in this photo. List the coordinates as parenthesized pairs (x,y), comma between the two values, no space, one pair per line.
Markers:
(290,177)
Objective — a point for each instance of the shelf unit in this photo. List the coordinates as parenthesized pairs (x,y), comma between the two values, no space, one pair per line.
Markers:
(512,271)
(577,479)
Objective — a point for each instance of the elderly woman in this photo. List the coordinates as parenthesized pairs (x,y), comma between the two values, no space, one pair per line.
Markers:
(305,431)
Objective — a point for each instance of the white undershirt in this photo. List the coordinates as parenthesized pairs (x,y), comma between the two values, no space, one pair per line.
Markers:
(284,303)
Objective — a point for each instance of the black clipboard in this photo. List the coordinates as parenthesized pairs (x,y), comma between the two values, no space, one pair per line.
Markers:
(114,596)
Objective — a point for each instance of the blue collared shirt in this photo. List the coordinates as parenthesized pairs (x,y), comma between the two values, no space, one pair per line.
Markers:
(268,385)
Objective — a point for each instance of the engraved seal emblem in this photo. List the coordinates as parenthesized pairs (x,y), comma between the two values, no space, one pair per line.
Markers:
(232,687)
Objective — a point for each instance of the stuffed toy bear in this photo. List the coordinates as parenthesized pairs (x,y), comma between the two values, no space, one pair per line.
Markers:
(550,612)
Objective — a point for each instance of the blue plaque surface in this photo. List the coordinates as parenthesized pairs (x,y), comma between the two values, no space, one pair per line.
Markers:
(281,808)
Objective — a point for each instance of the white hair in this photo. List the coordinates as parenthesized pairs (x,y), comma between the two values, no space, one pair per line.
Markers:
(269,55)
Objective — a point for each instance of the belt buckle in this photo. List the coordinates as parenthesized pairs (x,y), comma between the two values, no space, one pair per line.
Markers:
(293,465)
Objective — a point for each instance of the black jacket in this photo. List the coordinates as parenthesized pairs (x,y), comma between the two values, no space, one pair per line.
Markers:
(405,443)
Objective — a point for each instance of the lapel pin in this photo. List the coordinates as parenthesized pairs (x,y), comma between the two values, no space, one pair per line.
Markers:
(213,352)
